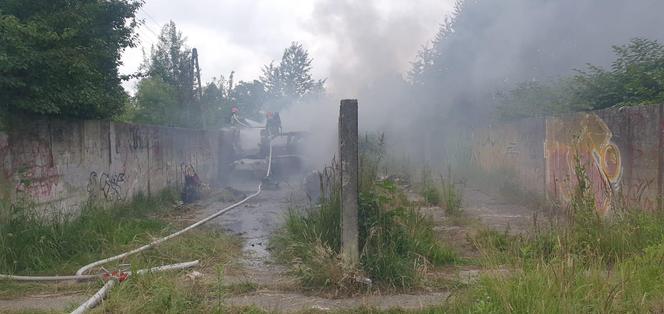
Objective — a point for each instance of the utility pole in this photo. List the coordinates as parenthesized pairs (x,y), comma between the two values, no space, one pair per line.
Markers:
(348,162)
(197,76)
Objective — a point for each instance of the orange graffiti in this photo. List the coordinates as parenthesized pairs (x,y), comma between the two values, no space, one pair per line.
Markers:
(587,136)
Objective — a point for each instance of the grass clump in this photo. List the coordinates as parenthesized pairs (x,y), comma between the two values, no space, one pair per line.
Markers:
(444,193)
(397,242)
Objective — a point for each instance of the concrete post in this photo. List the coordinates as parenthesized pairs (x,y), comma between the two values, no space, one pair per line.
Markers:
(348,161)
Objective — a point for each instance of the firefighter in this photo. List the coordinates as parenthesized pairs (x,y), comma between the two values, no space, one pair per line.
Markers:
(277,123)
(273,124)
(235,116)
(235,124)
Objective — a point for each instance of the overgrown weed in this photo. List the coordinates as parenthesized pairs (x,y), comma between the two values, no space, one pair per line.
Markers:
(397,242)
(444,193)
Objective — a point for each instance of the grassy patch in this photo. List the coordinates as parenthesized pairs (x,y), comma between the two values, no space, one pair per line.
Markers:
(586,264)
(104,232)
(397,242)
(32,244)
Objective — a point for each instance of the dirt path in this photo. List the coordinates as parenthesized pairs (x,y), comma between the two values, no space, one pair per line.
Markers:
(276,291)
(496,213)
(44,302)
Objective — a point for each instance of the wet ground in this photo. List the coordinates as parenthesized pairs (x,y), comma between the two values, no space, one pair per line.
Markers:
(256,220)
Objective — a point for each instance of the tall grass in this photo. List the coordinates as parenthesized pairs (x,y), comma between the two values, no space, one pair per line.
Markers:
(585,264)
(31,243)
(444,193)
(397,242)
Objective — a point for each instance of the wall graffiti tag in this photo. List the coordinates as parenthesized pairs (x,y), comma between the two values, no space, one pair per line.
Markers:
(108,186)
(588,137)
(137,140)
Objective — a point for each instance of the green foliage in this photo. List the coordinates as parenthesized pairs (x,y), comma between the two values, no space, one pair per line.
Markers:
(396,240)
(250,97)
(290,81)
(166,96)
(539,99)
(636,77)
(61,58)
(156,103)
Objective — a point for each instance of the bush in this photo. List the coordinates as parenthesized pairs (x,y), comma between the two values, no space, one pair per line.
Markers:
(636,77)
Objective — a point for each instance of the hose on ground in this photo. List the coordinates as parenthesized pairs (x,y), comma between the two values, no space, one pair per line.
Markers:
(50,278)
(85,268)
(103,292)
(80,276)
(97,297)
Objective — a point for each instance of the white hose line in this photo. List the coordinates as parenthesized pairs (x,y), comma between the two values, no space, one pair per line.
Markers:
(50,278)
(85,268)
(80,273)
(166,268)
(96,298)
(101,294)
(246,125)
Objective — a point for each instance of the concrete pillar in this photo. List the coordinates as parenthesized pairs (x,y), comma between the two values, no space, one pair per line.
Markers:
(348,161)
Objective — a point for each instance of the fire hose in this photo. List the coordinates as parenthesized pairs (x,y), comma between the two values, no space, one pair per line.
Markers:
(80,274)
(101,294)
(85,268)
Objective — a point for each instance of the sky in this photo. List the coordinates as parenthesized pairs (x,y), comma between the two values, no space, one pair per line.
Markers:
(244,35)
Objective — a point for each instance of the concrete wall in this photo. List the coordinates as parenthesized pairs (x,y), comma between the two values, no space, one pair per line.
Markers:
(64,164)
(621,150)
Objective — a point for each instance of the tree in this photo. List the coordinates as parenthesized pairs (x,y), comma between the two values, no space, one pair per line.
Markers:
(156,103)
(169,69)
(171,60)
(290,81)
(61,57)
(635,77)
(250,97)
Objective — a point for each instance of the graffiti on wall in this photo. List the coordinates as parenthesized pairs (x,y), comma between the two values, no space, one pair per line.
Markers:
(588,137)
(108,186)
(137,139)
(496,149)
(511,150)
(36,173)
